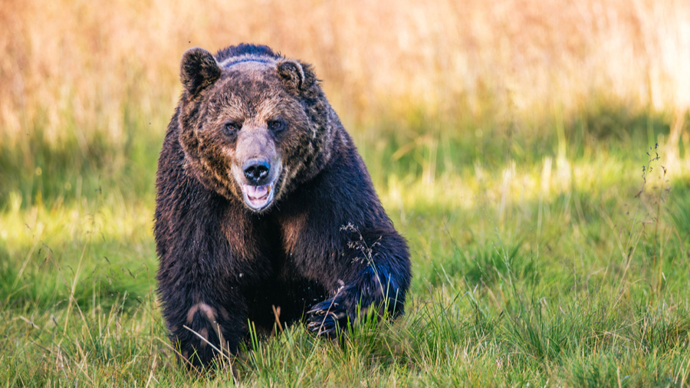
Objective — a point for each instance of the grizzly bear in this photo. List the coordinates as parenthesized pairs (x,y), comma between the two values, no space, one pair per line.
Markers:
(265,212)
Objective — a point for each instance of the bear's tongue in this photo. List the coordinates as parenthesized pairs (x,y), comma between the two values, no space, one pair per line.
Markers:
(257,192)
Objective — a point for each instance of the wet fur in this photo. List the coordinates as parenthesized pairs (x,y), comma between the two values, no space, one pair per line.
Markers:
(324,247)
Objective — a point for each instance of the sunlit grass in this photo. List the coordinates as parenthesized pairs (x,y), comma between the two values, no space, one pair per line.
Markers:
(531,272)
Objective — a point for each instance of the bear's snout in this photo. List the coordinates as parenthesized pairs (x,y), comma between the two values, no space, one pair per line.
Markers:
(257,166)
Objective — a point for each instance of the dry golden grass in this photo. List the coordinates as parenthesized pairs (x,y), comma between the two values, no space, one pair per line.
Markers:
(79,67)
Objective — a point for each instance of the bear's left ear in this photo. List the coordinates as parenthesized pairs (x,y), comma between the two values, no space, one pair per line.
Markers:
(295,76)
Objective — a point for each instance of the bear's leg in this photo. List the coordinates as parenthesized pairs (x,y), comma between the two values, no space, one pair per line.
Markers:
(374,282)
(373,288)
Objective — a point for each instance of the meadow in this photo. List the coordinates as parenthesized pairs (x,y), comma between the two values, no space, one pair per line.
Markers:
(534,155)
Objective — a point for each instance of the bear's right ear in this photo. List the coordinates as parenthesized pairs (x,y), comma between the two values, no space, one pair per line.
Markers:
(198,69)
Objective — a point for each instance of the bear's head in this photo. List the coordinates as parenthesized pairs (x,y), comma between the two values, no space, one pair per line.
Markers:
(253,123)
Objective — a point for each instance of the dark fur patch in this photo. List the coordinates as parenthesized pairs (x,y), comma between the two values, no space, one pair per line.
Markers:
(246,49)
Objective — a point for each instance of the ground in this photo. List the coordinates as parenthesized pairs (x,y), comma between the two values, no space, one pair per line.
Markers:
(535,261)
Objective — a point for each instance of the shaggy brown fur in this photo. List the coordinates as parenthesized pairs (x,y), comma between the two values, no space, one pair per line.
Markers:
(265,205)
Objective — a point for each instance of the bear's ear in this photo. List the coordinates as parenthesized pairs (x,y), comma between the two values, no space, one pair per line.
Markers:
(198,69)
(295,76)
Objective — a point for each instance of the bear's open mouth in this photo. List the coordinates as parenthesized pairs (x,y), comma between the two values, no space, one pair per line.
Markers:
(258,197)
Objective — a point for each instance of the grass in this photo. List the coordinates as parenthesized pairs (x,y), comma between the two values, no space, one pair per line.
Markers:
(506,140)
(544,271)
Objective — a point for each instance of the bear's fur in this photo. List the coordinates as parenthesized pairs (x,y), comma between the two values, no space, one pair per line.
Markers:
(264,209)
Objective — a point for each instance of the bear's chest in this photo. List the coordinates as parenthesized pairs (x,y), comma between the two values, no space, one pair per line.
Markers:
(261,246)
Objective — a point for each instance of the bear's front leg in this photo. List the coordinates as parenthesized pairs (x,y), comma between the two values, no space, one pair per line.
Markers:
(373,280)
(203,306)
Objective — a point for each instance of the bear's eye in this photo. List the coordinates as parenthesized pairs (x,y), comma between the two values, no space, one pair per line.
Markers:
(276,125)
(232,127)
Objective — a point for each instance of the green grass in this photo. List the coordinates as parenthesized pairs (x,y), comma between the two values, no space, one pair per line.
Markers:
(535,262)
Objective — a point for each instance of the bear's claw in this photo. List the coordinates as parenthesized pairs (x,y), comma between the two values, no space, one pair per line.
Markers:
(326,318)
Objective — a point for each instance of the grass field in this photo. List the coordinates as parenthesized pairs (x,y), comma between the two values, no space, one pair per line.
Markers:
(528,268)
(534,155)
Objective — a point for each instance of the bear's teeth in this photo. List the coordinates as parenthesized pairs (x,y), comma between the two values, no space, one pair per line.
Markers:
(258,197)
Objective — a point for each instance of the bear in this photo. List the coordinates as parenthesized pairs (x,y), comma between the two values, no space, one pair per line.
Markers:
(265,212)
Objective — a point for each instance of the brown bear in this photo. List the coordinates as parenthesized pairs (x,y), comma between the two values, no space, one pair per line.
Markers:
(265,211)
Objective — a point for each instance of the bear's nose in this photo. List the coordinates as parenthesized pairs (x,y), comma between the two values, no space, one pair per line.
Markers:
(256,170)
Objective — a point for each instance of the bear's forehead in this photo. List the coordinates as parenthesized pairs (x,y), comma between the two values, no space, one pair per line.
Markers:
(251,68)
(250,88)
(251,77)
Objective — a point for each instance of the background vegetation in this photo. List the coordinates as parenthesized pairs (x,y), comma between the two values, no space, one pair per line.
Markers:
(533,154)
